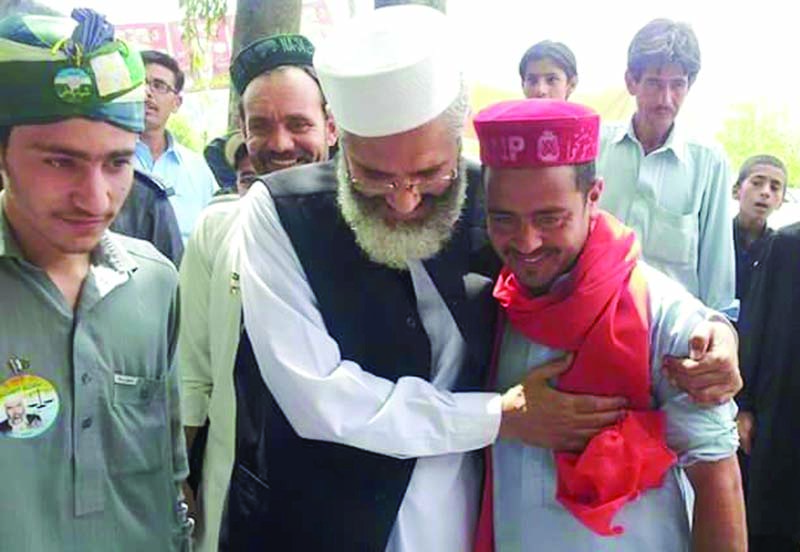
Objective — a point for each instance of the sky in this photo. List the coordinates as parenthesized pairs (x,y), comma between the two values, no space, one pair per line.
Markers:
(747,47)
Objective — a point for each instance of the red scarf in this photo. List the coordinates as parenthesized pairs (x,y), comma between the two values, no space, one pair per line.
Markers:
(602,316)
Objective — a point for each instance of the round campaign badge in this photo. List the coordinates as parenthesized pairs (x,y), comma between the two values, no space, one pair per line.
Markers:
(73,85)
(28,406)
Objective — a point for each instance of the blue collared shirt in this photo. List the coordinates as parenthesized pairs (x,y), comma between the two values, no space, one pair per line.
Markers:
(187,174)
(676,199)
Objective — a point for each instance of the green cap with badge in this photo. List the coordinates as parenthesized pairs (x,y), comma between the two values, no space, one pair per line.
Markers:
(268,53)
(55,68)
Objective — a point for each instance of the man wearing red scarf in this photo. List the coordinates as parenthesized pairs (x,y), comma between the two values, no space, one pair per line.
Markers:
(573,284)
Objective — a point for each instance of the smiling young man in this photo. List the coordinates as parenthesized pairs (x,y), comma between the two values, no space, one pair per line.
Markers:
(671,188)
(367,327)
(572,283)
(190,182)
(285,123)
(89,318)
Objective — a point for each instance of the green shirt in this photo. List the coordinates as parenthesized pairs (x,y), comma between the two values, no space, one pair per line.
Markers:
(106,474)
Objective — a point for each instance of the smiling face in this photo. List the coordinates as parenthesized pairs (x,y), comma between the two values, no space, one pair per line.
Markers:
(285,123)
(402,194)
(761,192)
(538,221)
(65,183)
(15,410)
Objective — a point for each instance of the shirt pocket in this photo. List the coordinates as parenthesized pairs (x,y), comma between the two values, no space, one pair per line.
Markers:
(139,424)
(671,237)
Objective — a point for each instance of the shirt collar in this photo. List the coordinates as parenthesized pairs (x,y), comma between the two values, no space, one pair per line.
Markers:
(675,141)
(108,253)
(171,149)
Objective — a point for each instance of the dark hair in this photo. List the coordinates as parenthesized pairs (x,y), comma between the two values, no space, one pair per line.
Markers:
(165,60)
(558,52)
(663,41)
(751,162)
(585,175)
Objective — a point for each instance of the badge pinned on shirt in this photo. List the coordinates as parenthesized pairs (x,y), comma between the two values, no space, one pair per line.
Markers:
(29,404)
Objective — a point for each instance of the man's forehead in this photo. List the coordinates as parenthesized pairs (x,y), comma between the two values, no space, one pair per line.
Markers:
(530,177)
(767,171)
(258,90)
(666,71)
(76,136)
(159,71)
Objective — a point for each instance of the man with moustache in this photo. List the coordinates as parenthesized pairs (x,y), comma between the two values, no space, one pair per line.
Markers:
(572,283)
(358,377)
(17,417)
(284,123)
(670,187)
(190,182)
(89,317)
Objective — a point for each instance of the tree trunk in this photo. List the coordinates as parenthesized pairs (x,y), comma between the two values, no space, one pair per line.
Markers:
(440,5)
(257,19)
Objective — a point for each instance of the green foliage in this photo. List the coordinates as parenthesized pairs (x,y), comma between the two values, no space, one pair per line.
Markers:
(200,21)
(754,130)
(185,133)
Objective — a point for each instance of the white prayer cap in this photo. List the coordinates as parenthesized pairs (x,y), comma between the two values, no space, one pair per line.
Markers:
(390,70)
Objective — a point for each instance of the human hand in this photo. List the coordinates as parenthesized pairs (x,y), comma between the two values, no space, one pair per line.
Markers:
(538,415)
(745,425)
(710,375)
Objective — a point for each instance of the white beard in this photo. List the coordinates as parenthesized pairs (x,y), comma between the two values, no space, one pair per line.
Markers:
(397,244)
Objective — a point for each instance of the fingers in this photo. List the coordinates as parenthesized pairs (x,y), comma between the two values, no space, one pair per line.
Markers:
(551,369)
(723,337)
(696,382)
(714,395)
(744,443)
(685,366)
(700,340)
(589,404)
(594,422)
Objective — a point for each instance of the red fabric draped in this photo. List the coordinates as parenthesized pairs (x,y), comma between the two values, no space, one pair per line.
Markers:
(601,315)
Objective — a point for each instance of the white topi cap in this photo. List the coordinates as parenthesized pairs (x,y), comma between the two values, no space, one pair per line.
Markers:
(390,70)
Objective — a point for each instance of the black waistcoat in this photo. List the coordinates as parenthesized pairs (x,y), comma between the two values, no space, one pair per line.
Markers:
(290,493)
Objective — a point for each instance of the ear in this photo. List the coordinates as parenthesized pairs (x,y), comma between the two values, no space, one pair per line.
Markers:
(630,83)
(571,85)
(593,195)
(178,103)
(736,191)
(332,134)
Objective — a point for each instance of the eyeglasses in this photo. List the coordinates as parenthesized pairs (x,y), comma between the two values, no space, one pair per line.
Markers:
(159,86)
(424,185)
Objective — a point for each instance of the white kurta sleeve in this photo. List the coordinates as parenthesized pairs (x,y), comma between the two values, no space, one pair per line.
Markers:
(324,396)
